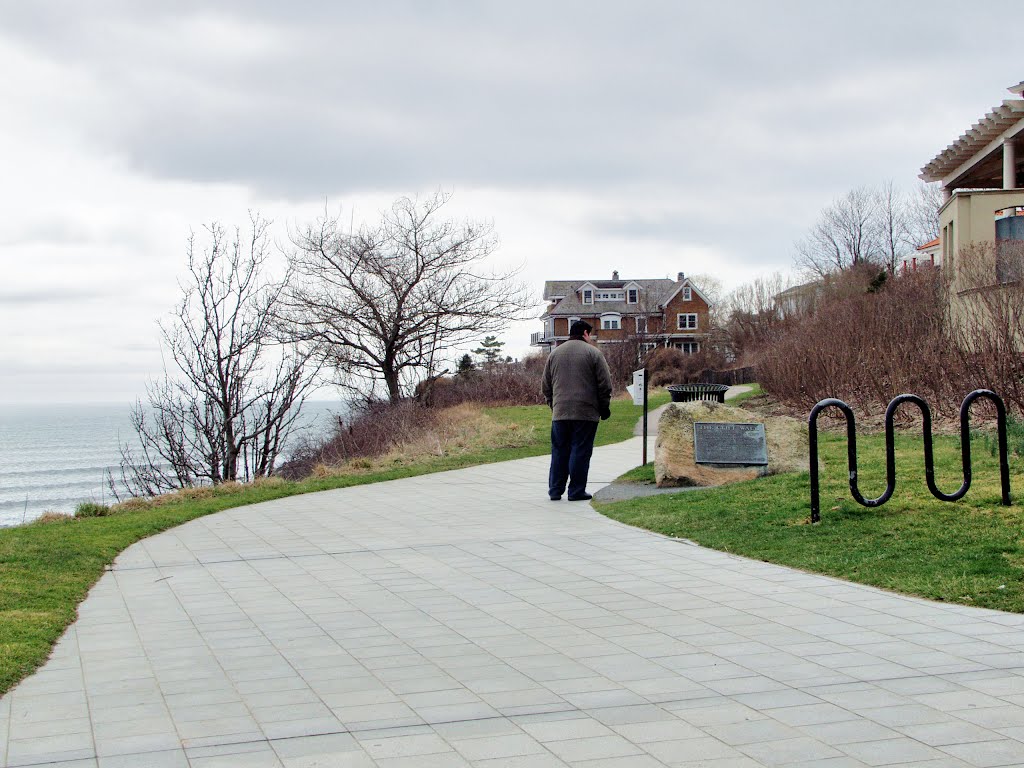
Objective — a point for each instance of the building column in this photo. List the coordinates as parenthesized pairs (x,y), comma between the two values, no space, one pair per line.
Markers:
(1009,164)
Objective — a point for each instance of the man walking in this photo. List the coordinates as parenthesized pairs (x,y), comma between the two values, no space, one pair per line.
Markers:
(578,388)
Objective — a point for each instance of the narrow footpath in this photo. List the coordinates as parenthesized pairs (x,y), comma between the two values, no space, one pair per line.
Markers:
(463,619)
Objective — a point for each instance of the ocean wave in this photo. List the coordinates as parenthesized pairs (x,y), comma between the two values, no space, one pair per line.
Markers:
(56,503)
(54,472)
(21,491)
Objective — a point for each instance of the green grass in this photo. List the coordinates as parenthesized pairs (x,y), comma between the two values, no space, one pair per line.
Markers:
(969,552)
(643,475)
(46,569)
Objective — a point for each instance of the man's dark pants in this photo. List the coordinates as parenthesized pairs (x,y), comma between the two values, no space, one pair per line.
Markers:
(572,443)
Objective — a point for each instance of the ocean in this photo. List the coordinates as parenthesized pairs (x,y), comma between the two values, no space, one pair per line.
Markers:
(52,457)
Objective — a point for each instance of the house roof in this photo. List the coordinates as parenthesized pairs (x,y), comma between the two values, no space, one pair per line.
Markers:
(982,144)
(929,244)
(568,303)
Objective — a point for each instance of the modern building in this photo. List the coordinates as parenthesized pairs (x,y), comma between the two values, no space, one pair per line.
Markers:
(659,312)
(980,219)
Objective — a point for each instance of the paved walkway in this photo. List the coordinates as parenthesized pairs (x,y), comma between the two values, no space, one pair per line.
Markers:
(462,619)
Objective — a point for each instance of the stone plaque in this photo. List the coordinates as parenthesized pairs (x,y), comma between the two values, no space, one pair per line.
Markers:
(729,443)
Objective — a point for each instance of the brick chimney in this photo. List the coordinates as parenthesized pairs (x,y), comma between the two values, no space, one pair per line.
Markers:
(681,277)
(615,274)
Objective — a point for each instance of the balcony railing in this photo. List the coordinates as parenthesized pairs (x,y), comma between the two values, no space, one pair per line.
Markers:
(536,339)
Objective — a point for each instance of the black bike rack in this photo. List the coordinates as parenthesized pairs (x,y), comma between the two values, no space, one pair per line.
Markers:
(890,449)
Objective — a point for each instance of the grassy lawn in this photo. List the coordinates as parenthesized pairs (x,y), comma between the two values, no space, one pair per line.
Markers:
(969,552)
(46,569)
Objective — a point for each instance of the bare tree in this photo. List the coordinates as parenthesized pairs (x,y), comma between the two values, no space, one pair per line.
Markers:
(842,237)
(923,213)
(385,303)
(753,313)
(713,290)
(233,392)
(891,226)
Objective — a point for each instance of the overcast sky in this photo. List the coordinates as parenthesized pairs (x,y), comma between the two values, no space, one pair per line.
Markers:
(647,137)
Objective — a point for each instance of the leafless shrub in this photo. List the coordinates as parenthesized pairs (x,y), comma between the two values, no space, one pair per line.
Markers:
(498,384)
(373,430)
(623,358)
(666,365)
(988,318)
(867,345)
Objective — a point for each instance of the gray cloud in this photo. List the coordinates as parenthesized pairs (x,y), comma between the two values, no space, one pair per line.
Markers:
(648,136)
(331,99)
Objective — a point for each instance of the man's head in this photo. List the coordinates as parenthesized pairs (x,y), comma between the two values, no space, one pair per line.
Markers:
(580,329)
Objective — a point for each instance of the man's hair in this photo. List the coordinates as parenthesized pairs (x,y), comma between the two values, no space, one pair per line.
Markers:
(577,329)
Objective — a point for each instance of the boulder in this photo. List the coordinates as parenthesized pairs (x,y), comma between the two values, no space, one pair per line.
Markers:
(674,464)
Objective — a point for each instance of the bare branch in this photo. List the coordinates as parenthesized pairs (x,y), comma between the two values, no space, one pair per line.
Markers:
(233,390)
(384,304)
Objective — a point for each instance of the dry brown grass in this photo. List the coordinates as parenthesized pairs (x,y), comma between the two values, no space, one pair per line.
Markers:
(190,494)
(461,429)
(52,517)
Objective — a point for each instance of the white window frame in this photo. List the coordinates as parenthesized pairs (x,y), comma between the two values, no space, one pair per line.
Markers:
(611,323)
(688,347)
(632,296)
(690,322)
(588,296)
(687,294)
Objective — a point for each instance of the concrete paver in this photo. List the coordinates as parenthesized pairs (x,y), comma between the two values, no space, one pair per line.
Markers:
(463,619)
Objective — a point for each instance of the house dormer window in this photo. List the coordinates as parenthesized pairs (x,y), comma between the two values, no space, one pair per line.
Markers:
(631,296)
(610,296)
(611,322)
(588,296)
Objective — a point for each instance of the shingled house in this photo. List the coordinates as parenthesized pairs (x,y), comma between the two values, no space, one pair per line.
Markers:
(656,313)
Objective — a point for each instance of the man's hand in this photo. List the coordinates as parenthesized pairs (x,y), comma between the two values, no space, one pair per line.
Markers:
(605,410)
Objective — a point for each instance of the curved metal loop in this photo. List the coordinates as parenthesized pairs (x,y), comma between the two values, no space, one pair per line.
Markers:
(851,453)
(929,449)
(890,449)
(965,443)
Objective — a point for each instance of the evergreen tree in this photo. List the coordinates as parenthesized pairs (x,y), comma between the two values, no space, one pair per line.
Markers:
(465,366)
(490,350)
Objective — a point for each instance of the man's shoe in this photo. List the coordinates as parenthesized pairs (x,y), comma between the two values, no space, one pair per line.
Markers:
(555,498)
(581,497)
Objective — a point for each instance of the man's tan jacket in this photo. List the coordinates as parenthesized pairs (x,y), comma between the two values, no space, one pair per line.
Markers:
(577,382)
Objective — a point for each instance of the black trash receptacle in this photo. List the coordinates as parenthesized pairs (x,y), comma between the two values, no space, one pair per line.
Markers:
(685,393)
